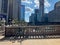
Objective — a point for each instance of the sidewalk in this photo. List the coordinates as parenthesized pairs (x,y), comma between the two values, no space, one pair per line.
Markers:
(31,42)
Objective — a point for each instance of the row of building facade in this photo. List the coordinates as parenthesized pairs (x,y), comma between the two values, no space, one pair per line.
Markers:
(39,17)
(12,10)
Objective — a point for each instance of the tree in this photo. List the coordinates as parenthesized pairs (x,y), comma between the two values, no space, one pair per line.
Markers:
(21,22)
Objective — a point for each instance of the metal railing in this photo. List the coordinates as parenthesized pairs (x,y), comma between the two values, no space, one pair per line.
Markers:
(32,31)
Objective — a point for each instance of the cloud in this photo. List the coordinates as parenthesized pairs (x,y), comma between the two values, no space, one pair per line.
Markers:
(36,3)
(46,10)
(29,9)
(47,4)
(28,12)
(26,1)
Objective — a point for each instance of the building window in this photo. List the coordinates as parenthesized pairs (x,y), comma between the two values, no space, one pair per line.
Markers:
(4,6)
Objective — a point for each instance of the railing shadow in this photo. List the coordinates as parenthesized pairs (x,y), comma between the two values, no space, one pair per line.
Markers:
(12,39)
(22,39)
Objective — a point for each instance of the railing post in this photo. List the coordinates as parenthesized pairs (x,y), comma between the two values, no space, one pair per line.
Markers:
(3,26)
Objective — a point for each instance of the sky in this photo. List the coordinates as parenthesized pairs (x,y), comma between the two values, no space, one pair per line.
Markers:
(30,5)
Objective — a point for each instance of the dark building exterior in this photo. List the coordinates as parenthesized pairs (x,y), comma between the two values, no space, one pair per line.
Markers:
(41,10)
(39,14)
(4,6)
(10,10)
(54,15)
(45,17)
(32,19)
(3,9)
(13,10)
(37,18)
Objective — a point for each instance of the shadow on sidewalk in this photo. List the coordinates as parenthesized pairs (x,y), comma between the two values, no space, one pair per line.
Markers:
(12,39)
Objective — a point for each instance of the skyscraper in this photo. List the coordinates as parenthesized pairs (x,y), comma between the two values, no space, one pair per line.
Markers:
(0,5)
(37,15)
(10,9)
(3,9)
(13,9)
(41,10)
(32,19)
(22,11)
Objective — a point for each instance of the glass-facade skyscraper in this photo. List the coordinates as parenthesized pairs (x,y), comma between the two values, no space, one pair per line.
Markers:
(41,10)
(39,14)
(3,9)
(4,6)
(22,15)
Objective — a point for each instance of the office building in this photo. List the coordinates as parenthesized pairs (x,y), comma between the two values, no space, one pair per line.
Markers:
(3,9)
(13,10)
(32,19)
(41,10)
(37,18)
(54,15)
(22,11)
(10,10)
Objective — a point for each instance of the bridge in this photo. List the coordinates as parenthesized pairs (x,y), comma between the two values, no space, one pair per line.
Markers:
(32,32)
